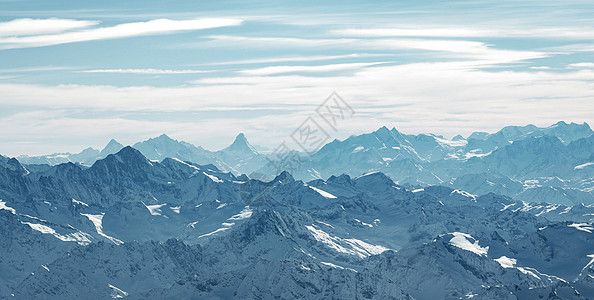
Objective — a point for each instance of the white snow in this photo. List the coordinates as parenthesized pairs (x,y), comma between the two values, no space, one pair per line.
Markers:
(446,142)
(337,266)
(326,224)
(245,213)
(79,237)
(507,206)
(363,223)
(588,265)
(332,265)
(566,210)
(330,241)
(362,247)
(45,267)
(212,177)
(583,227)
(367,174)
(222,205)
(116,292)
(175,209)
(461,241)
(155,210)
(464,193)
(506,262)
(32,217)
(358,149)
(98,222)
(323,193)
(214,232)
(3,206)
(548,209)
(473,153)
(418,190)
(193,224)
(41,228)
(185,163)
(358,247)
(528,271)
(305,268)
(582,166)
(74,201)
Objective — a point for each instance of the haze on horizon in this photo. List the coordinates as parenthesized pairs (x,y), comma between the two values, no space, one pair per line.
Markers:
(76,74)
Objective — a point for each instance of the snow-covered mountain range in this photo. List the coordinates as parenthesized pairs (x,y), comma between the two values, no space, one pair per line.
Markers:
(553,164)
(406,217)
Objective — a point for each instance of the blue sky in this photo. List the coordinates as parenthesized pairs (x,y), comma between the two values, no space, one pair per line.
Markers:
(78,73)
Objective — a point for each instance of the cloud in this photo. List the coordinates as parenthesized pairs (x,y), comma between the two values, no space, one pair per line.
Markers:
(413,32)
(567,33)
(145,71)
(582,65)
(572,48)
(308,69)
(431,92)
(28,26)
(297,59)
(35,69)
(449,48)
(158,26)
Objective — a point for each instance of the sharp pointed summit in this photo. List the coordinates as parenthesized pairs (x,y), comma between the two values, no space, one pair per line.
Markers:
(241,144)
(284,176)
(112,147)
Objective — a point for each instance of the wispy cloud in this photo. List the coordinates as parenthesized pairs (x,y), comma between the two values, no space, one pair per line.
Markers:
(298,59)
(540,68)
(572,48)
(308,69)
(465,32)
(582,65)
(488,54)
(145,71)
(35,69)
(412,32)
(159,26)
(28,26)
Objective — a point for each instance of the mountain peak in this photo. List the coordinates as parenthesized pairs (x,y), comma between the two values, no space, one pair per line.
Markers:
(458,137)
(383,129)
(127,151)
(129,155)
(284,176)
(164,137)
(16,166)
(241,144)
(112,147)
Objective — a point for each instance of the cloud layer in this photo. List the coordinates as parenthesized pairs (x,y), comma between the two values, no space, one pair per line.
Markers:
(159,26)
(420,67)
